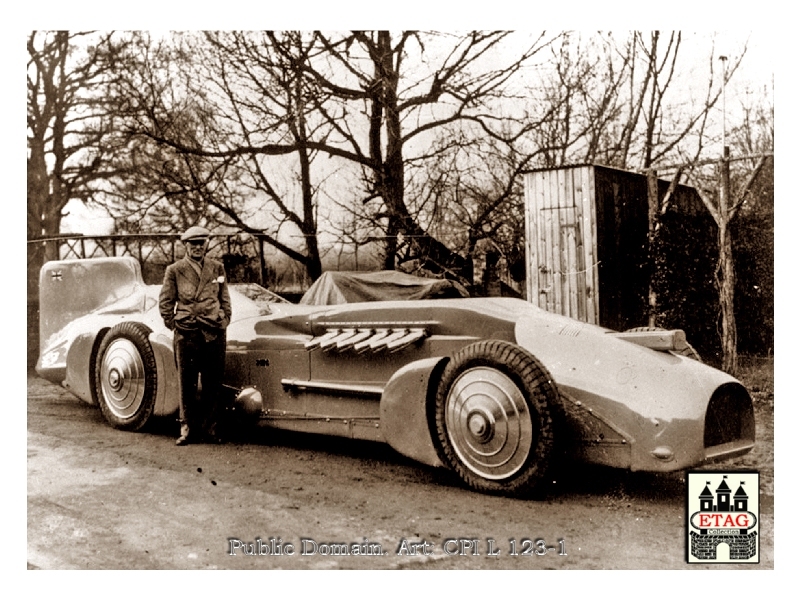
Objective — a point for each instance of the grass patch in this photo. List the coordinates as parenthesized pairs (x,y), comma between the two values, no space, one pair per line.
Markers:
(757,373)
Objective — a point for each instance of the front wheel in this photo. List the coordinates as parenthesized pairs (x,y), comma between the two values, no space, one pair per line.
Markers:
(494,417)
(125,376)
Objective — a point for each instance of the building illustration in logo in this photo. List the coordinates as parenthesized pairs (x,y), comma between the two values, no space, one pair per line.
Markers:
(724,518)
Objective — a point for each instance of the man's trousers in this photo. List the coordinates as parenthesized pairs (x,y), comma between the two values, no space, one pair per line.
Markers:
(196,355)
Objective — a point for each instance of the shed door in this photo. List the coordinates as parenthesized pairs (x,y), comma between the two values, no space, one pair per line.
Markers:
(559,226)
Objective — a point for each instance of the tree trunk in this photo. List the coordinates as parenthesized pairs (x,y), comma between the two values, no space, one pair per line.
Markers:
(727,282)
(390,172)
(726,278)
(40,222)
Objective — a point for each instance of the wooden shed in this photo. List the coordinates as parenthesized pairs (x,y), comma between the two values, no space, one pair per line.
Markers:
(587,242)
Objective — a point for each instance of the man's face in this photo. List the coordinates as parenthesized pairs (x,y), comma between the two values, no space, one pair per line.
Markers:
(196,249)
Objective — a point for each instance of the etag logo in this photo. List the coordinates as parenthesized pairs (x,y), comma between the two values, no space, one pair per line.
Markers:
(722,517)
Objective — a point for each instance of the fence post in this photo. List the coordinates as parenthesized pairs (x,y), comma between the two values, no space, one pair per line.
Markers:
(652,211)
(262,264)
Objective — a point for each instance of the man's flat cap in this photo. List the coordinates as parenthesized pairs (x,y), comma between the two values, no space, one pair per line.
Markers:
(195,233)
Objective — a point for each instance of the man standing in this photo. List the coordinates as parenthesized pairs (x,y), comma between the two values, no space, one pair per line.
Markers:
(195,304)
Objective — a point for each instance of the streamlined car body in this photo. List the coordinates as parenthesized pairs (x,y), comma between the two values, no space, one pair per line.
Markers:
(492,388)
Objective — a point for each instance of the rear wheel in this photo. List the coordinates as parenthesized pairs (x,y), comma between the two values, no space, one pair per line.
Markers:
(493,417)
(125,376)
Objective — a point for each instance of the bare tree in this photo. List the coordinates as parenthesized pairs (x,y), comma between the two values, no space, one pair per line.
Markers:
(231,135)
(155,188)
(70,126)
(70,139)
(268,98)
(465,200)
(655,130)
(725,194)
(753,232)
(367,106)
(597,99)
(469,96)
(629,106)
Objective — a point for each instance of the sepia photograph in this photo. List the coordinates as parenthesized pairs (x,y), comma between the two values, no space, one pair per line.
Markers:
(441,299)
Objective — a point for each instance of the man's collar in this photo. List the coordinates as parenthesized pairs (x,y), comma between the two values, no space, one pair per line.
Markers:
(196,266)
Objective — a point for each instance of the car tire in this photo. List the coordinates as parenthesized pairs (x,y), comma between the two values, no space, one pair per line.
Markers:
(125,377)
(494,418)
(688,351)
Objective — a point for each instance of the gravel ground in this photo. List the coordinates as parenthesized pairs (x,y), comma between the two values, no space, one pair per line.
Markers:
(99,498)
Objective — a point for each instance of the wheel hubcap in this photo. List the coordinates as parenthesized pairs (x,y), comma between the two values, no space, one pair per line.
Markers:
(122,378)
(480,425)
(115,379)
(488,423)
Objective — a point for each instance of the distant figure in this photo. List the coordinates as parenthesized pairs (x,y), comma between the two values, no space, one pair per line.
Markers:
(195,304)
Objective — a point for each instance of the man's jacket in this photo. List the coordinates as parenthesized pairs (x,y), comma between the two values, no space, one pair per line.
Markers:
(190,301)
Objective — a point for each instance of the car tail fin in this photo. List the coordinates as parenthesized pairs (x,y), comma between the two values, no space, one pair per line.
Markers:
(661,340)
(69,289)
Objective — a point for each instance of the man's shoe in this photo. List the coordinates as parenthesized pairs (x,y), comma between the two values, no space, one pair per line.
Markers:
(184,439)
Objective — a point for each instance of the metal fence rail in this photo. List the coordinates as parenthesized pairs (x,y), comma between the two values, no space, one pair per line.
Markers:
(242,254)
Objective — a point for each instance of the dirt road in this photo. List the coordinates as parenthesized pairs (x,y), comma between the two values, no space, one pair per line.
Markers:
(105,499)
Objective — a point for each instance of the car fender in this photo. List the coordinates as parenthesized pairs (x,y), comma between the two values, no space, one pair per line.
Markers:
(167,392)
(654,400)
(404,409)
(79,368)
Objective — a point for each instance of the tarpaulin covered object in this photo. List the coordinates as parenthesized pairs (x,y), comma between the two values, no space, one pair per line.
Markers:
(351,286)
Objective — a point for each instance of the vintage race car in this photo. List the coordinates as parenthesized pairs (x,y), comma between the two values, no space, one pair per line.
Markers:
(493,388)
